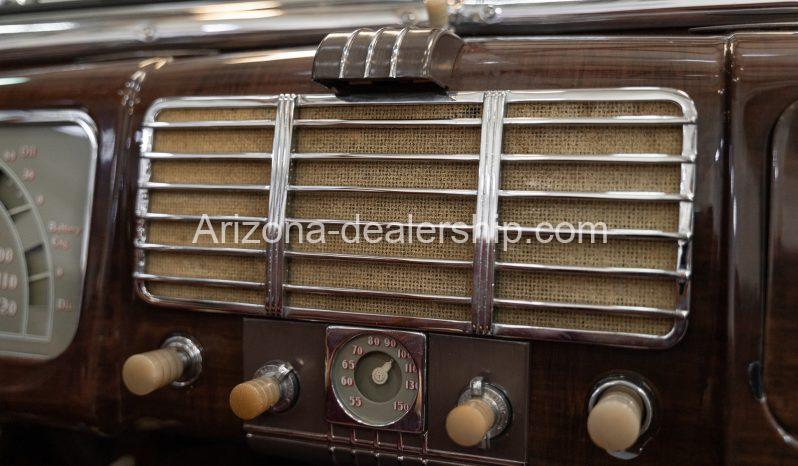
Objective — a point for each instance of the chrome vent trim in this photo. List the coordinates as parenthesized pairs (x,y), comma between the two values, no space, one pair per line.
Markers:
(486,197)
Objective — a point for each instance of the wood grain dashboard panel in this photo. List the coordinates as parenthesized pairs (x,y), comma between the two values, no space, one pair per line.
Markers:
(690,380)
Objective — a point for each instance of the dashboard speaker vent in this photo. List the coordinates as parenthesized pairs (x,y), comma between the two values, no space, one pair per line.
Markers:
(204,157)
(563,215)
(390,166)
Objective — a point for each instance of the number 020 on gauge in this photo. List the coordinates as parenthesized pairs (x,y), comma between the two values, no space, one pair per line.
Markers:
(375,378)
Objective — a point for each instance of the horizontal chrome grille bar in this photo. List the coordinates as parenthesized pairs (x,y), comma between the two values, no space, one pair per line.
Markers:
(598,234)
(379,259)
(234,156)
(198,218)
(202,187)
(605,309)
(611,158)
(375,293)
(363,189)
(676,274)
(386,157)
(200,249)
(363,223)
(200,281)
(619,120)
(389,123)
(612,196)
(210,124)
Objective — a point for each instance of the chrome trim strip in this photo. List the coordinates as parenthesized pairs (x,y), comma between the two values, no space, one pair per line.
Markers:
(153,186)
(345,52)
(281,165)
(197,218)
(613,158)
(319,100)
(375,293)
(614,196)
(197,304)
(363,223)
(625,340)
(619,120)
(379,259)
(226,156)
(486,228)
(330,122)
(364,189)
(634,272)
(610,233)
(200,281)
(326,315)
(397,45)
(199,249)
(209,124)
(370,52)
(344,156)
(605,309)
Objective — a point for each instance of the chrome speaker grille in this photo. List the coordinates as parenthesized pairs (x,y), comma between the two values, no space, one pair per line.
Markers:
(203,156)
(501,164)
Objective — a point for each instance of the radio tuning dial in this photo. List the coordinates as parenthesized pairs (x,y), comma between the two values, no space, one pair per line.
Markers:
(178,362)
(482,413)
(274,388)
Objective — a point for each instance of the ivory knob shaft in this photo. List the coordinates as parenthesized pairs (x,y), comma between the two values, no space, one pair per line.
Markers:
(615,421)
(437,13)
(146,372)
(468,423)
(250,399)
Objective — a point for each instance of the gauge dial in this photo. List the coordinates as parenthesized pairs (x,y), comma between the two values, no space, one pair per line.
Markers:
(46,174)
(376,379)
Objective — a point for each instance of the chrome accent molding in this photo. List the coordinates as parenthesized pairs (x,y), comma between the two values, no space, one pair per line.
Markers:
(390,56)
(281,162)
(562,16)
(209,25)
(487,213)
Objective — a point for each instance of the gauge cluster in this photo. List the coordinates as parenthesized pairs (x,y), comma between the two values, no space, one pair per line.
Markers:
(46,180)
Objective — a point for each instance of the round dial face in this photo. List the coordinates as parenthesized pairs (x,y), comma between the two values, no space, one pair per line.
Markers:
(45,177)
(375,379)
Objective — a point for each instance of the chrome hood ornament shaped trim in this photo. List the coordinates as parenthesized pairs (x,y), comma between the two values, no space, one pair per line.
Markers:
(388,57)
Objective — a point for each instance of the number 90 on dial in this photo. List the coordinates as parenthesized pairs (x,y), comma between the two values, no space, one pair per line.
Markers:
(376,378)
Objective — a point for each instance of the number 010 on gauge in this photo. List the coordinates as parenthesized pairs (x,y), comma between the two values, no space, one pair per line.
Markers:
(376,378)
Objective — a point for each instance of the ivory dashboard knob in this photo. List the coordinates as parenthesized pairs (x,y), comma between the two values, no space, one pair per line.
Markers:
(482,413)
(437,13)
(177,362)
(146,372)
(468,423)
(615,422)
(250,399)
(274,389)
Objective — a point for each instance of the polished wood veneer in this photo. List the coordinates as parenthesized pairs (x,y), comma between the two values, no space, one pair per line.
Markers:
(708,414)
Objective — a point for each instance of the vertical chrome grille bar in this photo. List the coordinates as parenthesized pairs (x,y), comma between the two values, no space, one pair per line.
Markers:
(281,162)
(485,227)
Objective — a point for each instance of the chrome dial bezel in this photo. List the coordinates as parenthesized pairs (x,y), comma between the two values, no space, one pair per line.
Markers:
(414,343)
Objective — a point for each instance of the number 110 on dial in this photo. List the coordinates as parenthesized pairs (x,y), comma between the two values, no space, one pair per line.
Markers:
(375,379)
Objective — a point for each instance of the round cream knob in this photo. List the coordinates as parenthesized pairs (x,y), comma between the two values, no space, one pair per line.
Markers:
(250,399)
(437,13)
(468,423)
(614,423)
(146,372)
